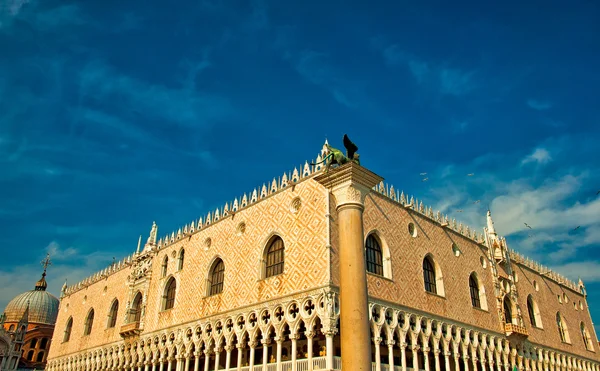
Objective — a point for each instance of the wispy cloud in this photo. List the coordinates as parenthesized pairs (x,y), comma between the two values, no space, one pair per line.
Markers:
(447,80)
(539,105)
(540,156)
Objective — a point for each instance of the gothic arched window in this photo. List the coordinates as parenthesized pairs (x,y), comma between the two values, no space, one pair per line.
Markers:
(373,255)
(217,276)
(275,257)
(40,357)
(180,260)
(68,328)
(165,264)
(507,309)
(169,295)
(112,315)
(474,287)
(429,275)
(587,341)
(534,312)
(562,328)
(135,313)
(89,322)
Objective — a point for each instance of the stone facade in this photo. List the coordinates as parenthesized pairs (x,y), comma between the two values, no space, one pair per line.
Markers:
(290,321)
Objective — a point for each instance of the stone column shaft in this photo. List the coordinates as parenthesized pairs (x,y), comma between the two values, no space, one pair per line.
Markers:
(350,184)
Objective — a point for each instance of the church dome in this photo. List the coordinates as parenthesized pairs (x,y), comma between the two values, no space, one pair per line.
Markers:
(42,307)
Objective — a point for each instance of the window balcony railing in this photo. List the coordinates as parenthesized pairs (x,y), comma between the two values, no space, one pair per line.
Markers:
(319,363)
(512,329)
(130,329)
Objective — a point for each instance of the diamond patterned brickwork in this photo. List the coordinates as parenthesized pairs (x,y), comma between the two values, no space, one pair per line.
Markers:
(547,301)
(390,221)
(303,232)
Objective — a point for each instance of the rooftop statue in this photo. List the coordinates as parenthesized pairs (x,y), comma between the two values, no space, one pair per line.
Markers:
(335,156)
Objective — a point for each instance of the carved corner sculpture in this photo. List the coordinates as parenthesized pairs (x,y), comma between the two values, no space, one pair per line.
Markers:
(337,157)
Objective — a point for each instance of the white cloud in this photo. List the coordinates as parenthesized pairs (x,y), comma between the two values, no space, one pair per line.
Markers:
(539,105)
(540,156)
(588,271)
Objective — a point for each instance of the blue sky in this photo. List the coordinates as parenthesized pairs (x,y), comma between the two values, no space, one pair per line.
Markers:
(114,114)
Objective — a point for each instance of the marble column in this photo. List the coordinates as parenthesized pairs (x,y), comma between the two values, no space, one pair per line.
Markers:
(187,362)
(265,343)
(403,355)
(228,349)
(206,359)
(197,360)
(279,341)
(350,183)
(415,354)
(253,345)
(217,357)
(309,345)
(376,343)
(390,345)
(329,351)
(294,339)
(240,348)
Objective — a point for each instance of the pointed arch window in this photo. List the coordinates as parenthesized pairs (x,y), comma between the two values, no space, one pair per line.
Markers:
(275,257)
(89,322)
(507,309)
(429,275)
(169,295)
(112,314)
(562,328)
(165,264)
(374,255)
(534,312)
(135,313)
(217,277)
(180,260)
(40,357)
(587,340)
(474,288)
(68,328)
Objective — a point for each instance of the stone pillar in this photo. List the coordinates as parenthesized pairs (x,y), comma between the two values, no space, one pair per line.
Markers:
(206,359)
(240,348)
(294,338)
(350,184)
(197,360)
(279,341)
(187,362)
(162,364)
(252,347)
(147,366)
(447,360)
(265,343)
(376,343)
(228,349)
(217,358)
(436,354)
(415,354)
(329,351)
(403,354)
(426,358)
(390,345)
(169,364)
(309,346)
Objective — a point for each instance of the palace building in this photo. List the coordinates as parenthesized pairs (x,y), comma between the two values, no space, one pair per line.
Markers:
(320,269)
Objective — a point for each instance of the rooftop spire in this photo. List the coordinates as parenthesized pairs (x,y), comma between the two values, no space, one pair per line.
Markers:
(490,223)
(41,285)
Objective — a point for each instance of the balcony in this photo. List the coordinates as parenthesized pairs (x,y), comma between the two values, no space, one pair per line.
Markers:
(130,329)
(515,330)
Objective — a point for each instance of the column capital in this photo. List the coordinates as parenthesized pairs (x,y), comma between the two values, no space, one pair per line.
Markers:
(309,334)
(391,343)
(349,183)
(228,348)
(377,340)
(253,344)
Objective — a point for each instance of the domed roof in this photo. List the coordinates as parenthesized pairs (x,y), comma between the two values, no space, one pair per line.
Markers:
(42,306)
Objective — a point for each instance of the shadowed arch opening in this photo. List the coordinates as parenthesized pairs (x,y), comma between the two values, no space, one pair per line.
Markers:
(562,328)
(507,306)
(112,314)
(477,290)
(68,328)
(180,259)
(164,266)
(89,322)
(135,312)
(432,276)
(273,260)
(587,340)
(169,294)
(216,277)
(534,312)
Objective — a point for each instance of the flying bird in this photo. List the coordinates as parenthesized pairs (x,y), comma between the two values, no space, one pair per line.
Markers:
(470,174)
(597,193)
(423,174)
(425,179)
(476,202)
(459,211)
(576,228)
(527,225)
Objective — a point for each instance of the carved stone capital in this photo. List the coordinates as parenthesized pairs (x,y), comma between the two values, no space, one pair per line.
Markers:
(349,183)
